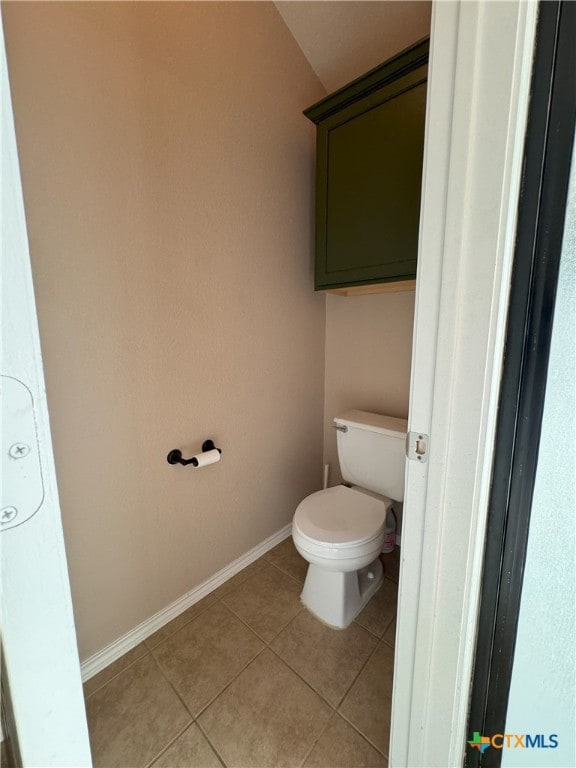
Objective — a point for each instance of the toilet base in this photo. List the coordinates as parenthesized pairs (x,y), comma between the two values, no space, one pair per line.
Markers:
(337,597)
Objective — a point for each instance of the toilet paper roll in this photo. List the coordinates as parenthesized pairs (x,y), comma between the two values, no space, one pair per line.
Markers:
(207,457)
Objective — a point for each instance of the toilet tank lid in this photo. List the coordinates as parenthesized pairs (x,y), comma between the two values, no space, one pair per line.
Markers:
(374,422)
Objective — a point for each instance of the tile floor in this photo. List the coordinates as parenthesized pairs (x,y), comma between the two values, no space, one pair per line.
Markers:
(247,677)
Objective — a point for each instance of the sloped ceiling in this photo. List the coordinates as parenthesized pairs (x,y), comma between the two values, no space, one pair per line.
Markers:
(342,40)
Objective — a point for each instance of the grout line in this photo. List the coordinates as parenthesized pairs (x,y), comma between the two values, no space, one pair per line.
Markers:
(229,683)
(309,752)
(387,625)
(245,623)
(192,618)
(364,736)
(195,717)
(171,684)
(353,683)
(254,572)
(285,573)
(241,620)
(391,643)
(263,639)
(216,752)
(366,629)
(309,685)
(167,747)
(356,727)
(120,672)
(285,627)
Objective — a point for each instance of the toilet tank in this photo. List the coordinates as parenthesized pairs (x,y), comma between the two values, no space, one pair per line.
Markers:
(372,452)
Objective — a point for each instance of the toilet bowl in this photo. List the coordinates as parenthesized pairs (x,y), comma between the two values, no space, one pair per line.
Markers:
(340,531)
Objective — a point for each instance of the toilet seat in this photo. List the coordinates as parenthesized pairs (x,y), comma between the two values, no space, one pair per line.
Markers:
(334,520)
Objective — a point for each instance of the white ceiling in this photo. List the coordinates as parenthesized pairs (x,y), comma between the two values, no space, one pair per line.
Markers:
(343,39)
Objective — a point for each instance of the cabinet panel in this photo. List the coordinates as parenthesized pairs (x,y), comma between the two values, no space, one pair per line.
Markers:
(373,195)
(369,171)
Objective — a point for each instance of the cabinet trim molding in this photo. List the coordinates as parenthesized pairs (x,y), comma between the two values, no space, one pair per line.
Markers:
(411,58)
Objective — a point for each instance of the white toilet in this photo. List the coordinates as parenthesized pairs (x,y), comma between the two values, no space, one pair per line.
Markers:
(340,530)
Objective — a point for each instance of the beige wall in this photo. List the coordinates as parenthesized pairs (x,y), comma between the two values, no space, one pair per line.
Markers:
(167,175)
(368,353)
(344,39)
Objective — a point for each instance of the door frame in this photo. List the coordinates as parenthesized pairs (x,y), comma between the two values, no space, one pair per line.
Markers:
(479,84)
(45,708)
(542,210)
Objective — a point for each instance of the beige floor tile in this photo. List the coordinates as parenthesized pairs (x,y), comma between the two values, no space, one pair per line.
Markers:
(286,557)
(238,579)
(266,717)
(190,750)
(173,626)
(369,702)
(328,659)
(340,746)
(206,654)
(390,634)
(266,601)
(391,564)
(113,669)
(381,609)
(133,717)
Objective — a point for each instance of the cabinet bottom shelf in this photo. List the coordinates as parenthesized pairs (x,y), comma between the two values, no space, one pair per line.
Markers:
(363,290)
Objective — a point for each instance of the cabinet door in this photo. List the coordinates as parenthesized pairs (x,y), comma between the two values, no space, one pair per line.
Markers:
(368,186)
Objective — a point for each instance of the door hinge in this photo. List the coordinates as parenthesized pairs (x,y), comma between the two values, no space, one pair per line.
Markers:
(22,490)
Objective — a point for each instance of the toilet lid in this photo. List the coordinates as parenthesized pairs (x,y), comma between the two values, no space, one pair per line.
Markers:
(340,516)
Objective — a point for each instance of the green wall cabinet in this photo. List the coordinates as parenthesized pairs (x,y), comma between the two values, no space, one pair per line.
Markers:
(369,151)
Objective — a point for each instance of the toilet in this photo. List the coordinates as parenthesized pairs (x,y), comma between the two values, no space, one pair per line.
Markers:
(340,530)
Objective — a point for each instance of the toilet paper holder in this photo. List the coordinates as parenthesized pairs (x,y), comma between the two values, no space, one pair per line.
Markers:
(175,456)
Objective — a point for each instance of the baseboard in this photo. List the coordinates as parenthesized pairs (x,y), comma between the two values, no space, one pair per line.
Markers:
(118,648)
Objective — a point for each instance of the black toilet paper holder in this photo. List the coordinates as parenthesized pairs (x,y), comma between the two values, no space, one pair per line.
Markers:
(175,456)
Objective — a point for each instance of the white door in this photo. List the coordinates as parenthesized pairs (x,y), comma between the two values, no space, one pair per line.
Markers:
(45,703)
(479,82)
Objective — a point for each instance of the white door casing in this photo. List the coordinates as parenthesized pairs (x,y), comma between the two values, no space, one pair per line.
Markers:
(479,82)
(37,622)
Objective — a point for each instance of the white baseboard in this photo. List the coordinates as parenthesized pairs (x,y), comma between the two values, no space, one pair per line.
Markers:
(118,648)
